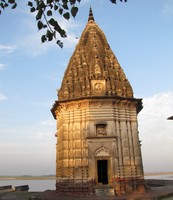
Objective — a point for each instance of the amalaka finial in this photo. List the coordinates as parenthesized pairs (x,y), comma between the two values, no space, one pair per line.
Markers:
(90,18)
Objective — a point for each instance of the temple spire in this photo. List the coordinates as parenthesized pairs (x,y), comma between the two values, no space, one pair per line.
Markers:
(90,18)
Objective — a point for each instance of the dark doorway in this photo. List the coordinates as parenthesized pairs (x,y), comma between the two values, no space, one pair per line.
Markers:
(102,170)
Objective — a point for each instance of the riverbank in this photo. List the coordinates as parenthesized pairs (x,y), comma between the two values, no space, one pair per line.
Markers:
(53,177)
(27,177)
(158,190)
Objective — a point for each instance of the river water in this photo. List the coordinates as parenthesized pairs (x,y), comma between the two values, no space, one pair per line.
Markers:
(34,185)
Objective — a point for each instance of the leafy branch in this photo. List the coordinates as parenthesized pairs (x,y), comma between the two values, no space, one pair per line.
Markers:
(46,12)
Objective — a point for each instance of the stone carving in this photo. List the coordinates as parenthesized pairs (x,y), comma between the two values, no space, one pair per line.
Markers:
(101,129)
(98,86)
(97,67)
(102,151)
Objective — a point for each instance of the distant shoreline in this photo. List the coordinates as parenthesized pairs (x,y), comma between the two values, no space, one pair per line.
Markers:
(53,177)
(46,177)
(157,173)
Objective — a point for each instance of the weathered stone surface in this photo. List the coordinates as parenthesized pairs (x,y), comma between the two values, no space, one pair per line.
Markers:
(96,113)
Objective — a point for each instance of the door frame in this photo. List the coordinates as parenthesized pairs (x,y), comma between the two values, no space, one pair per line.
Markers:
(109,168)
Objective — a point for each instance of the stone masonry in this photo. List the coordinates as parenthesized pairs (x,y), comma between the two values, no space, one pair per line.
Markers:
(97,128)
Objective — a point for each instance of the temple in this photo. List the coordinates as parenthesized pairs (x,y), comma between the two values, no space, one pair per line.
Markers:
(97,129)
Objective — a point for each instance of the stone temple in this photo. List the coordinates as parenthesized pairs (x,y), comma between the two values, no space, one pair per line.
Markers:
(97,129)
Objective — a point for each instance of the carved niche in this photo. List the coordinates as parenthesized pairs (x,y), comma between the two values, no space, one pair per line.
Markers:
(100,129)
(98,86)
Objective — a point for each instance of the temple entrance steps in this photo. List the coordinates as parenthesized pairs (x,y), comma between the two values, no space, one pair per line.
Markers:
(104,190)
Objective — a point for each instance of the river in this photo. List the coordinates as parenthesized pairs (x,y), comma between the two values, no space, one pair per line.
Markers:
(34,185)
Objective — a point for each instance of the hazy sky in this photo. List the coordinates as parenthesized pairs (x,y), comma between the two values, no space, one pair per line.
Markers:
(140,34)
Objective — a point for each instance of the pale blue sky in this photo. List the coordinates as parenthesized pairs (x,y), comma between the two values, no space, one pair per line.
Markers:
(140,34)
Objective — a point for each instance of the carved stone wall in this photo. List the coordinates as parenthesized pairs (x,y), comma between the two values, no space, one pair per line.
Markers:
(79,145)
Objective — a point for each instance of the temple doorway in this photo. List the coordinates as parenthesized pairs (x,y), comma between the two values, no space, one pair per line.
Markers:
(102,171)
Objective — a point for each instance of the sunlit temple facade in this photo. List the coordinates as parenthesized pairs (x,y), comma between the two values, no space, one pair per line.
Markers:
(97,129)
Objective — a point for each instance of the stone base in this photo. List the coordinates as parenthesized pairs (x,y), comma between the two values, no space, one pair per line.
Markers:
(104,190)
(75,187)
(129,185)
(121,186)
